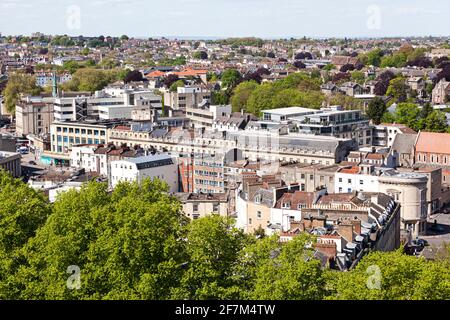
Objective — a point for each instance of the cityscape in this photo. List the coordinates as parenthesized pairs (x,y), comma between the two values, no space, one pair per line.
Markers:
(223,167)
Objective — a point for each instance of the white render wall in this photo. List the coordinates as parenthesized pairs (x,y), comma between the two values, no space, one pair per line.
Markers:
(114,112)
(83,157)
(124,170)
(369,183)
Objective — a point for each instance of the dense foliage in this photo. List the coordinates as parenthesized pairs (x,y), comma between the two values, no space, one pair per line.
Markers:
(134,243)
(297,89)
(19,83)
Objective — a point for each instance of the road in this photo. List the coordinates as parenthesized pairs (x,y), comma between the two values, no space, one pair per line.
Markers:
(443,235)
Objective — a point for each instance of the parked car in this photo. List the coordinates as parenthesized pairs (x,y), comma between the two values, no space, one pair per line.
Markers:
(420,242)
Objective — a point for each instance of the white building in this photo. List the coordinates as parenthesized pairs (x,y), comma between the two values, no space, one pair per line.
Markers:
(282,114)
(160,166)
(204,116)
(407,188)
(84,156)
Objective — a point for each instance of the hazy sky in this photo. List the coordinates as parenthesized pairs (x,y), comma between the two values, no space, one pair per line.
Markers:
(227,18)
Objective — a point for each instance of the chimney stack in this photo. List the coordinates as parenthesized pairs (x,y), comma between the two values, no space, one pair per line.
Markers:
(356,225)
(345,229)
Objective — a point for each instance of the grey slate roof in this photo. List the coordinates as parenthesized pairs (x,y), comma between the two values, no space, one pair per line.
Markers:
(404,143)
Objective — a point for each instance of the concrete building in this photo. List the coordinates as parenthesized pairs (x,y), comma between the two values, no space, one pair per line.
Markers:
(34,115)
(10,162)
(385,134)
(336,122)
(65,134)
(403,149)
(186,97)
(205,115)
(197,205)
(409,189)
(309,177)
(160,166)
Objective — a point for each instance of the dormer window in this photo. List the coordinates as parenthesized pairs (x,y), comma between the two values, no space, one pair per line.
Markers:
(258,198)
(301,206)
(286,205)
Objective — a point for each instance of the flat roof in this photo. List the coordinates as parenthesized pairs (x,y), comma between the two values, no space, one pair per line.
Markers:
(289,110)
(145,159)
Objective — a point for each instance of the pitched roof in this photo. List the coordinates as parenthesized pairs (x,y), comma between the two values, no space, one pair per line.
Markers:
(404,143)
(433,142)
(296,198)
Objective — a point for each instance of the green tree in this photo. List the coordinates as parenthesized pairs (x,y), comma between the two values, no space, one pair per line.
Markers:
(22,211)
(230,78)
(71,66)
(436,121)
(393,276)
(374,57)
(128,244)
(175,85)
(291,273)
(398,89)
(408,114)
(241,95)
(358,76)
(89,79)
(19,83)
(376,110)
(329,67)
(396,60)
(261,99)
(213,246)
(219,98)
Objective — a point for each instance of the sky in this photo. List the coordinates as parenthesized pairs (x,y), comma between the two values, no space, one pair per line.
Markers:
(227,18)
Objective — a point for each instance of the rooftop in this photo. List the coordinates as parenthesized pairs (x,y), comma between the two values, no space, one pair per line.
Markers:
(289,110)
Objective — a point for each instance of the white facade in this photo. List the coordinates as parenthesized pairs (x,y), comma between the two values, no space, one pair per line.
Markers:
(160,166)
(349,182)
(84,157)
(407,189)
(114,112)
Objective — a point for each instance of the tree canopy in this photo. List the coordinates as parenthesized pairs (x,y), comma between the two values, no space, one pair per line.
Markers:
(19,83)
(135,243)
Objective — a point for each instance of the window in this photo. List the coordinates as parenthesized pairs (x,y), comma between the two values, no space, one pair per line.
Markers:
(249,220)
(195,207)
(259,214)
(286,205)
(340,179)
(361,182)
(340,189)
(349,180)
(215,207)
